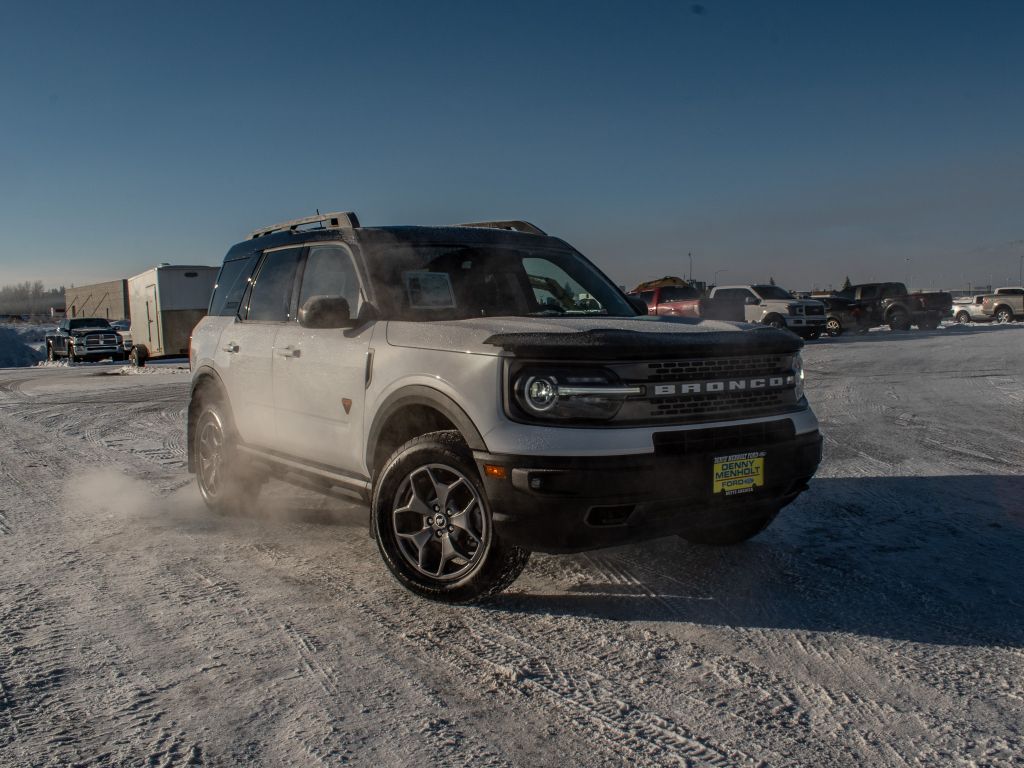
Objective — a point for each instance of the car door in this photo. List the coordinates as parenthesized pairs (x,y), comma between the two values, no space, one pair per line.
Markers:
(320,374)
(245,354)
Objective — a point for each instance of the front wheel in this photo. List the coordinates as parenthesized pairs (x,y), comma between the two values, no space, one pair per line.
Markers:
(433,525)
(899,321)
(775,321)
(833,327)
(731,533)
(49,352)
(72,358)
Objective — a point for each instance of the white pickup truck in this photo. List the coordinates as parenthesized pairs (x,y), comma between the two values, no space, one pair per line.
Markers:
(767,305)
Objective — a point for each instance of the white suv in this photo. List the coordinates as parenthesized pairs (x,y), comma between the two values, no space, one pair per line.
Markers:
(488,392)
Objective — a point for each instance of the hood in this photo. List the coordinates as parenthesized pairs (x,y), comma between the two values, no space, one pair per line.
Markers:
(591,337)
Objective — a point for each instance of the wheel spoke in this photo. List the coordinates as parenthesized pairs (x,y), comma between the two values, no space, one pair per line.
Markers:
(461,520)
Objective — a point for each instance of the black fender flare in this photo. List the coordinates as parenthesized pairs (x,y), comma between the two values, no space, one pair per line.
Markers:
(417,394)
(204,376)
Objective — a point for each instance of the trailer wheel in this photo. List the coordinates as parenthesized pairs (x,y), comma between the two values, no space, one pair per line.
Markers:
(138,357)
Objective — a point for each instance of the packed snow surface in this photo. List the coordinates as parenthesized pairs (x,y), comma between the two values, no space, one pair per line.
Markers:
(879,621)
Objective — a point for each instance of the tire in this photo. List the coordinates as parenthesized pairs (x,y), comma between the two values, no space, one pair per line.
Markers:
(732,533)
(72,358)
(775,321)
(432,522)
(833,327)
(1004,315)
(138,357)
(899,321)
(226,485)
(812,335)
(928,325)
(49,352)
(963,318)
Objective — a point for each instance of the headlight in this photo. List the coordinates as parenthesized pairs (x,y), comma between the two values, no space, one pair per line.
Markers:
(569,394)
(798,372)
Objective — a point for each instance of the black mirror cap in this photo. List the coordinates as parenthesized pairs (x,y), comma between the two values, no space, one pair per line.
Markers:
(638,304)
(326,312)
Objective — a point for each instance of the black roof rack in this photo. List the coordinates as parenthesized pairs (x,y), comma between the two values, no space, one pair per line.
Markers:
(337,220)
(513,225)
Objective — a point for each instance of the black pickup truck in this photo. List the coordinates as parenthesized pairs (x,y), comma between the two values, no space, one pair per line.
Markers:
(891,304)
(85,338)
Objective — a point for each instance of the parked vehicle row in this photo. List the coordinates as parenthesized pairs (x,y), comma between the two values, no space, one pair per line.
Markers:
(857,308)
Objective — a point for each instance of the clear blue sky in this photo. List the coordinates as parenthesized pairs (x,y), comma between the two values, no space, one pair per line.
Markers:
(804,140)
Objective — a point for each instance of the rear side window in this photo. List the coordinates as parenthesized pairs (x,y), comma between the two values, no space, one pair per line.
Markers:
(330,272)
(271,297)
(678,293)
(230,287)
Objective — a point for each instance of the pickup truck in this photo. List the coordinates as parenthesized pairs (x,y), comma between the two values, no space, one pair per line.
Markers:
(85,338)
(676,300)
(765,304)
(891,304)
(1005,305)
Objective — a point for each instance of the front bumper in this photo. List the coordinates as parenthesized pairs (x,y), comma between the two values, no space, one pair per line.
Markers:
(572,504)
(804,322)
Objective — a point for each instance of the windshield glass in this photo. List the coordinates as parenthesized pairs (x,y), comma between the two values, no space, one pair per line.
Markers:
(455,282)
(88,322)
(773,292)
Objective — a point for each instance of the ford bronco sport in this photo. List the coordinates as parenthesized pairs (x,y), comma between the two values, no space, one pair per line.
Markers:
(488,392)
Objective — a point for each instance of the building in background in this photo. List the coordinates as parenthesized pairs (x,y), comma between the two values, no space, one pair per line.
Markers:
(108,300)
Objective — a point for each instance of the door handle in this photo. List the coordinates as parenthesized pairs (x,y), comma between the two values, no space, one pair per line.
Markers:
(231,347)
(289,351)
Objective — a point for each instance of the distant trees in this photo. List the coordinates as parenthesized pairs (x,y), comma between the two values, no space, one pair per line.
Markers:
(771,280)
(29,298)
(846,284)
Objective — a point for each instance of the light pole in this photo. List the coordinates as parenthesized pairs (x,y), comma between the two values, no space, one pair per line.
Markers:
(691,266)
(1020,274)
(714,280)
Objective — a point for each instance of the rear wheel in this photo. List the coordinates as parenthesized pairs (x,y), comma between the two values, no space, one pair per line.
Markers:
(433,526)
(833,327)
(731,533)
(225,484)
(1004,315)
(929,324)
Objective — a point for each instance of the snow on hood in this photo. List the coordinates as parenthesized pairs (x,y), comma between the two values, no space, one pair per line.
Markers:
(484,335)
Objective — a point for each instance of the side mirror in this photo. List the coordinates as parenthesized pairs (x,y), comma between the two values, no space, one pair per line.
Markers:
(639,305)
(325,312)
(751,301)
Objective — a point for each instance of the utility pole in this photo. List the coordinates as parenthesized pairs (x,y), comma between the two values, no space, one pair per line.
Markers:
(691,265)
(1020,274)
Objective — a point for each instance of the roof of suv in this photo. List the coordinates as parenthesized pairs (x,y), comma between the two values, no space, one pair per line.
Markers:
(470,235)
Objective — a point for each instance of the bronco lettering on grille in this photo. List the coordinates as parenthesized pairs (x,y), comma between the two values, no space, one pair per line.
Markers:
(724,385)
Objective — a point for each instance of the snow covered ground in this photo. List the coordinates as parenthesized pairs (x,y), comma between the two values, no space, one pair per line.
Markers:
(879,621)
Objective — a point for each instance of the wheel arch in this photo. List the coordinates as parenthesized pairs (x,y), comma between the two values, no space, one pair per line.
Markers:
(1000,307)
(204,380)
(412,411)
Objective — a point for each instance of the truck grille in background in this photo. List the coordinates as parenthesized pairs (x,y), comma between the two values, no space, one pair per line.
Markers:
(101,340)
(814,310)
(693,408)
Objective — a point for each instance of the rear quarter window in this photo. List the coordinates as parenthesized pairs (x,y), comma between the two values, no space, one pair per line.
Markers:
(231,283)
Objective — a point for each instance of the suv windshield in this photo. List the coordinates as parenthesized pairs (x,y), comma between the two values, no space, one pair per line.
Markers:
(456,282)
(773,292)
(88,322)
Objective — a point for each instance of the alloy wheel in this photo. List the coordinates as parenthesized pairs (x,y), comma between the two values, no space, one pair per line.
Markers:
(211,456)
(439,521)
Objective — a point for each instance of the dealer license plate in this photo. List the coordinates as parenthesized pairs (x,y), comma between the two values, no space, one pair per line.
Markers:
(738,473)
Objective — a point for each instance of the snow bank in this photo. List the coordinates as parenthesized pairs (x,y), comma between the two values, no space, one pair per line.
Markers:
(14,352)
(131,370)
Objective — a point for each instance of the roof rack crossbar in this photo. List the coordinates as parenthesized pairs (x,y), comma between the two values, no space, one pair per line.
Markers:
(336,220)
(513,225)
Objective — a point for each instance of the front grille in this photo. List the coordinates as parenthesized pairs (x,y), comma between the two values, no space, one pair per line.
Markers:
(715,368)
(729,405)
(730,396)
(810,310)
(101,340)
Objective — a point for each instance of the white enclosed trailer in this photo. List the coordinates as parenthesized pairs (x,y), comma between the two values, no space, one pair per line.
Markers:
(165,303)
